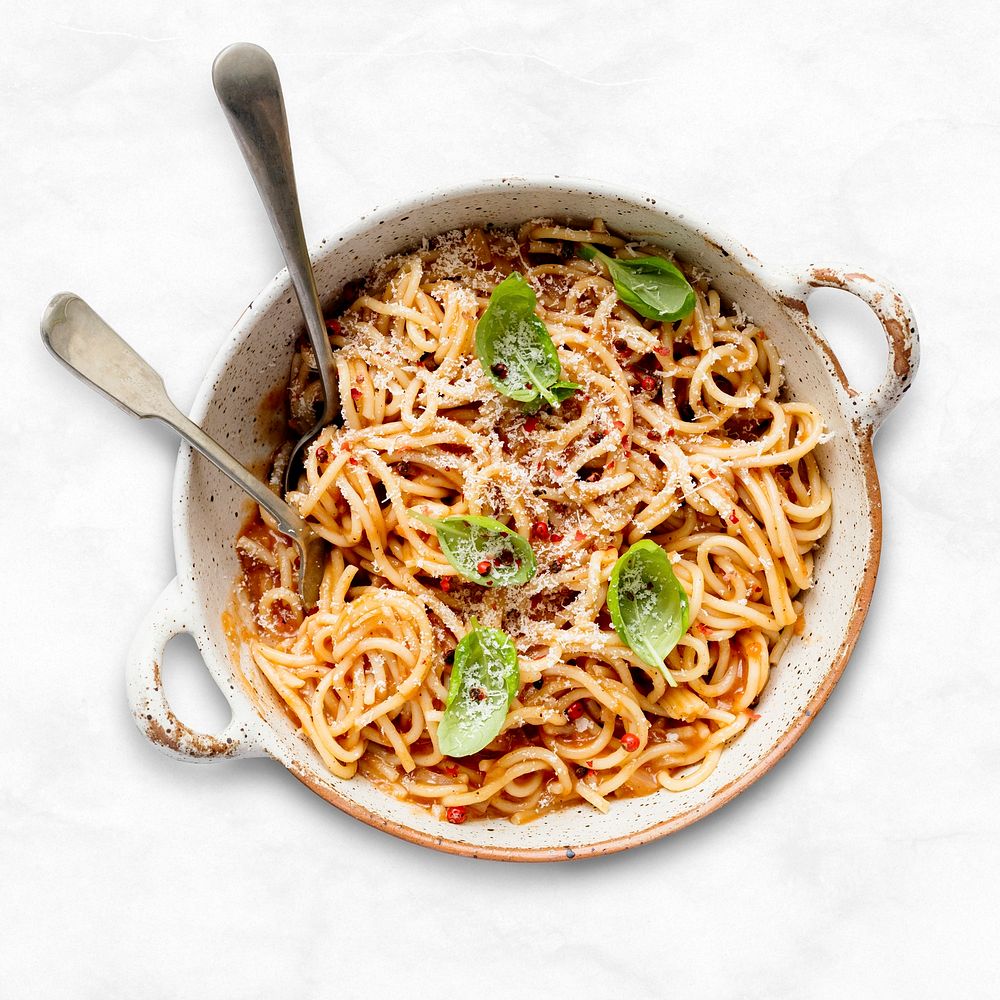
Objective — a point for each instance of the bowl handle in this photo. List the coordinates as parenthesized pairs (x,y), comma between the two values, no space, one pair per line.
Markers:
(898,321)
(168,617)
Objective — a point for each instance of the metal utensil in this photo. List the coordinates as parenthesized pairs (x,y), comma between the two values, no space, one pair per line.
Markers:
(83,342)
(249,90)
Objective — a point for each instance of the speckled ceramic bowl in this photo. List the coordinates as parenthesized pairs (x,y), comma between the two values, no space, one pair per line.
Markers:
(254,361)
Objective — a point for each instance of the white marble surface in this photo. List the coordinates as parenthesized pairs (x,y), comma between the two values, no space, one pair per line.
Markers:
(865,865)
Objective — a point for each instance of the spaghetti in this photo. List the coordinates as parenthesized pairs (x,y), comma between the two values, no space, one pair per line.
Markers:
(678,433)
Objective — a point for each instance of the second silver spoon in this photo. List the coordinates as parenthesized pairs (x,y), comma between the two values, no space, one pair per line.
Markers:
(249,90)
(83,342)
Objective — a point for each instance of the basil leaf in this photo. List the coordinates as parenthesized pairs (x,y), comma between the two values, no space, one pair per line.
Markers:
(484,681)
(563,390)
(649,608)
(652,286)
(514,347)
(467,541)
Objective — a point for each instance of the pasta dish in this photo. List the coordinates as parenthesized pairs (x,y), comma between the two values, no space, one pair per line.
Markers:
(571,516)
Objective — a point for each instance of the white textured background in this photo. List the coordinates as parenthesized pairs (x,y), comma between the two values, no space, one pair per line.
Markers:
(865,865)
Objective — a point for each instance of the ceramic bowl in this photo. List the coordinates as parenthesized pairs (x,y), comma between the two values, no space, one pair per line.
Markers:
(254,362)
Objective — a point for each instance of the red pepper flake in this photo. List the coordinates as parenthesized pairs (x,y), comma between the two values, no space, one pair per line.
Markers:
(455,814)
(530,424)
(733,518)
(451,770)
(483,567)
(333,326)
(630,742)
(580,536)
(352,460)
(540,531)
(345,445)
(360,380)
(711,474)
(445,583)
(654,436)
(575,711)
(670,433)
(703,628)
(355,394)
(322,455)
(619,425)
(477,694)
(592,773)
(662,351)
(499,370)
(754,716)
(620,346)
(648,383)
(610,467)
(555,539)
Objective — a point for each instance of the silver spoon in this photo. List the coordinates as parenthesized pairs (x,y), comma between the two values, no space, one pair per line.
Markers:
(249,90)
(83,342)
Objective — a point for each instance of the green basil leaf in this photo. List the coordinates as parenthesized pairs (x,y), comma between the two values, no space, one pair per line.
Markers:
(649,608)
(467,541)
(563,390)
(652,286)
(484,681)
(514,347)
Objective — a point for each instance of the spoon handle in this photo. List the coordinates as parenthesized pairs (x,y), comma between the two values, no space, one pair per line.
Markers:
(83,342)
(249,90)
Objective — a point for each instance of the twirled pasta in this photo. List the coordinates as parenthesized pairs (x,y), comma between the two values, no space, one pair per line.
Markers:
(678,434)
